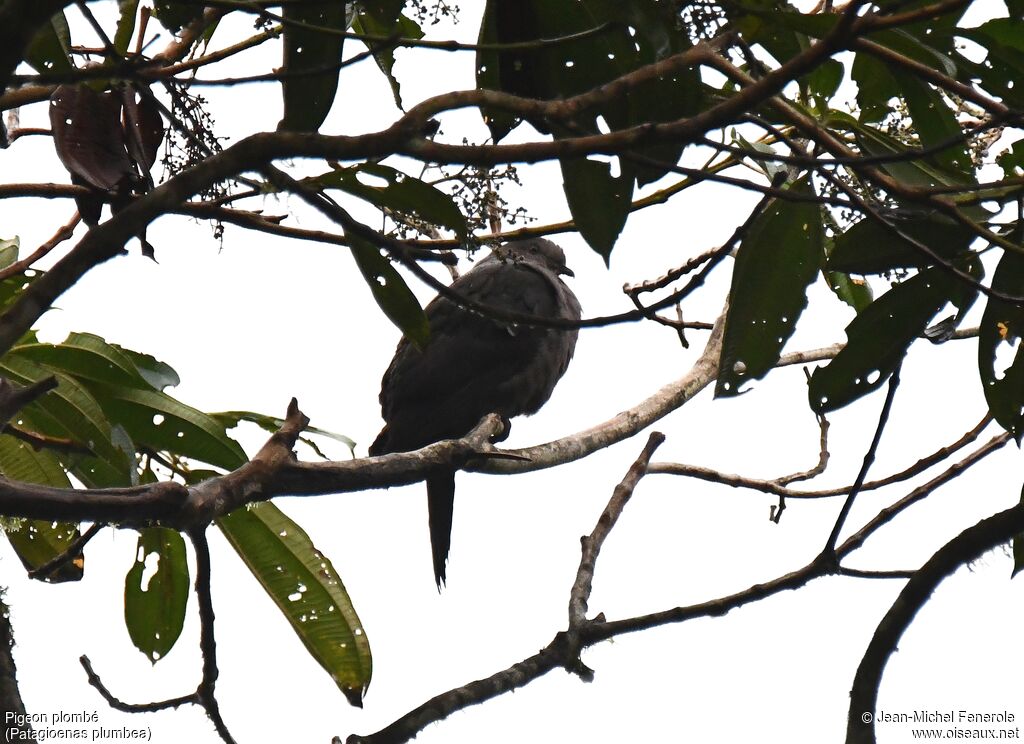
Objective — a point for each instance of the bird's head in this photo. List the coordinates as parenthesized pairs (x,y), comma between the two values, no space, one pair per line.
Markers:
(537,251)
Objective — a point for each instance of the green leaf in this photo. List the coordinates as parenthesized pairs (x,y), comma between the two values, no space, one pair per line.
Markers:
(854,292)
(311,63)
(913,172)
(377,19)
(88,357)
(50,49)
(598,201)
(173,14)
(70,412)
(158,421)
(878,338)
(390,291)
(1012,160)
(231,419)
(824,80)
(9,248)
(155,600)
(868,247)
(158,374)
(1000,361)
(935,124)
(398,191)
(875,87)
(125,25)
(640,32)
(776,262)
(306,588)
(1018,549)
(37,541)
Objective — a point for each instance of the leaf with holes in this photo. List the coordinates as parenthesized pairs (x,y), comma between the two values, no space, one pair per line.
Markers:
(1000,361)
(598,201)
(853,291)
(780,256)
(155,596)
(89,357)
(125,24)
(390,291)
(869,247)
(70,414)
(158,421)
(50,48)
(306,588)
(9,248)
(38,541)
(387,20)
(174,14)
(391,189)
(231,419)
(311,62)
(88,136)
(913,171)
(878,338)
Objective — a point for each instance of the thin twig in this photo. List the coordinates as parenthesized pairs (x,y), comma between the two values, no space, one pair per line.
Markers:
(62,234)
(591,545)
(72,551)
(828,553)
(205,693)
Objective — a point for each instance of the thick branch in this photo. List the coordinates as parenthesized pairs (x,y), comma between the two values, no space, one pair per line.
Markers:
(961,550)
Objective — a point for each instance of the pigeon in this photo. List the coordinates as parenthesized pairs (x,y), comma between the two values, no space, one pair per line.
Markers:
(473,365)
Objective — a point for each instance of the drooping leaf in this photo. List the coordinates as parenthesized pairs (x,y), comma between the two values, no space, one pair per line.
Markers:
(598,201)
(936,125)
(9,248)
(87,357)
(913,171)
(878,338)
(636,33)
(37,541)
(70,413)
(1003,66)
(50,49)
(869,247)
(311,62)
(616,39)
(876,86)
(88,136)
(1018,549)
(158,374)
(307,589)
(125,25)
(143,126)
(778,259)
(853,291)
(1012,160)
(231,419)
(1000,361)
(390,291)
(174,14)
(385,19)
(824,81)
(388,188)
(158,421)
(155,597)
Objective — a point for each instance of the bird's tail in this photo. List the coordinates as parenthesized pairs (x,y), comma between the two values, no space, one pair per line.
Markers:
(440,502)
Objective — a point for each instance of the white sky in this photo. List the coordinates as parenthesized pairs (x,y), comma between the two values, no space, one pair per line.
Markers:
(264,319)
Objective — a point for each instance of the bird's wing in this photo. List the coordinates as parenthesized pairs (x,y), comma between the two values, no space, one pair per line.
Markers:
(472,365)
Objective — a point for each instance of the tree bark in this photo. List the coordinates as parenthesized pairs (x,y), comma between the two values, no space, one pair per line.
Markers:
(10,697)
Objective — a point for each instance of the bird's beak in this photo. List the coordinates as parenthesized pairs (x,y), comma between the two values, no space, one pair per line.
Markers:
(566,271)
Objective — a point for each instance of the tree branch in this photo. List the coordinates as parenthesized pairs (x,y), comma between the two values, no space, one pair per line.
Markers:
(969,545)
